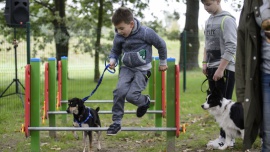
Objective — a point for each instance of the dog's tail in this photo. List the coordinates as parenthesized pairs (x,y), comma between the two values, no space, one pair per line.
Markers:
(97,109)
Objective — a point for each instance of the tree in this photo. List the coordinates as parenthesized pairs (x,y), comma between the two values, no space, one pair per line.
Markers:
(83,18)
(191,32)
(97,13)
(57,11)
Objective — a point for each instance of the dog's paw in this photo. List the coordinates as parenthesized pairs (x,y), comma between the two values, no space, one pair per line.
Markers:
(99,147)
(223,147)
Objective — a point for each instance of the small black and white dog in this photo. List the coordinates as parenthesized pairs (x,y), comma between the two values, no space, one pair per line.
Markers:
(84,117)
(228,114)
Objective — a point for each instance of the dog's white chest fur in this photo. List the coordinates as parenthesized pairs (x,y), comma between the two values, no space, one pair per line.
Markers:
(222,115)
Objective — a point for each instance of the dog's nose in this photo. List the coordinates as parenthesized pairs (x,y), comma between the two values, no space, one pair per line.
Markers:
(68,110)
(202,106)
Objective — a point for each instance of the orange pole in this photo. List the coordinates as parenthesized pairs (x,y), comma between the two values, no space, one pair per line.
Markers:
(163,93)
(46,90)
(27,100)
(59,94)
(177,97)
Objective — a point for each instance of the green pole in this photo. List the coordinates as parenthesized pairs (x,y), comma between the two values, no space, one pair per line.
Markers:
(158,97)
(64,87)
(170,115)
(152,90)
(35,103)
(185,60)
(28,41)
(52,94)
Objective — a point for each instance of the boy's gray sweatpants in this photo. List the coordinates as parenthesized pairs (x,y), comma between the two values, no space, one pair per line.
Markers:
(131,83)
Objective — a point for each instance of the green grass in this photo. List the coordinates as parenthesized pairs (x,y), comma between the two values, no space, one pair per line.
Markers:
(201,127)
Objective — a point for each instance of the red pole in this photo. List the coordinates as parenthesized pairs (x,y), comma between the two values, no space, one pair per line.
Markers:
(177,97)
(59,84)
(163,93)
(46,90)
(27,100)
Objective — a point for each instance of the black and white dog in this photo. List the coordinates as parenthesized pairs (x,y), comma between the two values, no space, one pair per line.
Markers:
(84,117)
(228,114)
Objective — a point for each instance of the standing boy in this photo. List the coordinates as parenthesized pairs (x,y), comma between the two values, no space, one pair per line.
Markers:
(219,52)
(135,42)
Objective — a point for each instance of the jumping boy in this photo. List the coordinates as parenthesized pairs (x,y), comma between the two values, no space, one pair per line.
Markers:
(135,42)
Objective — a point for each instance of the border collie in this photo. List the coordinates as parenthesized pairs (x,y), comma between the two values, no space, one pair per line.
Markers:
(84,117)
(228,114)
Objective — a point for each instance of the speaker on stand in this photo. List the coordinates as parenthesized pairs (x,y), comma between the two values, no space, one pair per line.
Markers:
(16,16)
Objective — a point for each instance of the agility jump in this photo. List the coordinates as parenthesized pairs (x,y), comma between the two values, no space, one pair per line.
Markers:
(32,103)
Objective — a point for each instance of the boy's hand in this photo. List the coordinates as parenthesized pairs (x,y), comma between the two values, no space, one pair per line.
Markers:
(218,74)
(204,69)
(112,65)
(163,67)
(266,28)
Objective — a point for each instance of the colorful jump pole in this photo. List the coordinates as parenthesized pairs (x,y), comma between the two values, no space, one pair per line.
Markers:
(59,92)
(158,97)
(171,104)
(33,73)
(52,93)
(35,103)
(46,92)
(177,100)
(27,100)
(152,84)
(64,61)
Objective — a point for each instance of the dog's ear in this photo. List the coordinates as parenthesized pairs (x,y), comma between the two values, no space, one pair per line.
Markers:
(97,109)
(80,103)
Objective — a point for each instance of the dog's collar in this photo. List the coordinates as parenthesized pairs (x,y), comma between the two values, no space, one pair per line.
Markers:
(88,117)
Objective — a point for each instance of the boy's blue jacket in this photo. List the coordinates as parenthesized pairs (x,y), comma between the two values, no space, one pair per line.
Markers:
(137,47)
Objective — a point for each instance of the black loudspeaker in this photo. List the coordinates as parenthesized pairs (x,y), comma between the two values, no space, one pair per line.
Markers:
(17,13)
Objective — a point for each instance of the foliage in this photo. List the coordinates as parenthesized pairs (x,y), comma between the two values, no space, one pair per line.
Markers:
(173,35)
(156,26)
(236,4)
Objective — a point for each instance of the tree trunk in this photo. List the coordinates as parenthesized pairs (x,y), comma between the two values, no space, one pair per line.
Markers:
(61,34)
(97,45)
(191,43)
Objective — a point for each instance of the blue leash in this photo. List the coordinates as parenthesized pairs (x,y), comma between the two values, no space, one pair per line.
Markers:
(99,81)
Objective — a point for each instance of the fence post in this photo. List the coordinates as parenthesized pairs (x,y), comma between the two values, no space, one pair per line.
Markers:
(28,38)
(64,93)
(35,103)
(185,61)
(171,104)
(52,94)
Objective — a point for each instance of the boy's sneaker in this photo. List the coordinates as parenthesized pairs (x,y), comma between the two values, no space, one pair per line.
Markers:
(113,129)
(219,142)
(143,109)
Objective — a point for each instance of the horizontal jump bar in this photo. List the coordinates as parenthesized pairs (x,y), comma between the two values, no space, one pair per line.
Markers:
(107,112)
(100,101)
(100,129)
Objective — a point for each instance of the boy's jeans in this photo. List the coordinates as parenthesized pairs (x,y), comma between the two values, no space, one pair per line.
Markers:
(266,112)
(130,85)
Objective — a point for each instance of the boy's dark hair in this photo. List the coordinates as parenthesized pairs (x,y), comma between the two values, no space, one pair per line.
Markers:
(204,1)
(122,14)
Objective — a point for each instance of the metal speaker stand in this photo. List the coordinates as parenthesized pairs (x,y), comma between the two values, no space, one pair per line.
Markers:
(15,80)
